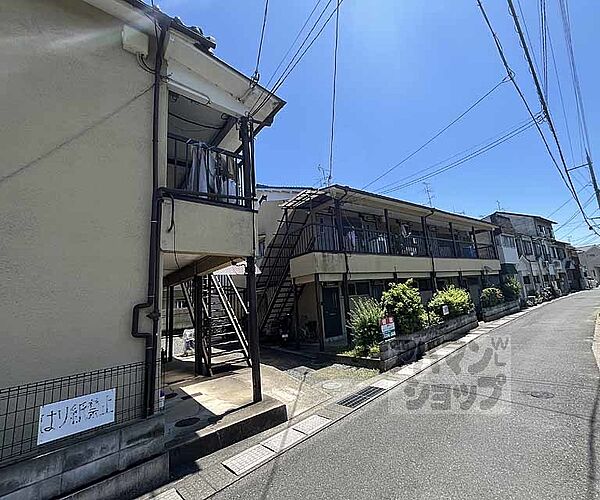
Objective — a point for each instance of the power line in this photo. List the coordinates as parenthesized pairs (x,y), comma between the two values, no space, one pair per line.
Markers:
(574,75)
(294,42)
(437,134)
(296,58)
(256,75)
(462,160)
(567,179)
(464,152)
(547,111)
(333,93)
(566,202)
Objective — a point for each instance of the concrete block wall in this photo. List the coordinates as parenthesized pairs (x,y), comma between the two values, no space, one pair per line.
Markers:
(118,452)
(407,348)
(500,310)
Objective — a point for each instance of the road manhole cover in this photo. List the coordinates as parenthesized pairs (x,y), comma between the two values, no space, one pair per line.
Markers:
(331,386)
(542,394)
(186,422)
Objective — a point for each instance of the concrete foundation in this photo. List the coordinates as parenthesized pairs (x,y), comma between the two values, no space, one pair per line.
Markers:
(407,348)
(500,310)
(131,453)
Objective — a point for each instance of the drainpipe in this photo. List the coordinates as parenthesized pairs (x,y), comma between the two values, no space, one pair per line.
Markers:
(152,299)
(426,234)
(340,231)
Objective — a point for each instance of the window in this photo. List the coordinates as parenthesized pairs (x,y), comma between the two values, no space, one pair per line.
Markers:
(179,304)
(261,247)
(377,288)
(527,248)
(527,280)
(553,250)
(519,247)
(536,279)
(358,288)
(508,241)
(424,284)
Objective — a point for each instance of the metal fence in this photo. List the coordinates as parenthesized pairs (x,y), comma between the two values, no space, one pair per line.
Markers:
(20,406)
(324,238)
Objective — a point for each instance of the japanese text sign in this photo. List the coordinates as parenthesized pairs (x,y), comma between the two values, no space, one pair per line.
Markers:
(71,416)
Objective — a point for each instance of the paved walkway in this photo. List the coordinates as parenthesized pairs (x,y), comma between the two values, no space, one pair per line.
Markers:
(534,439)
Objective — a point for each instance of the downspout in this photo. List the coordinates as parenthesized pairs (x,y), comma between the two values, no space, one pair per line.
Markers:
(426,231)
(340,230)
(152,299)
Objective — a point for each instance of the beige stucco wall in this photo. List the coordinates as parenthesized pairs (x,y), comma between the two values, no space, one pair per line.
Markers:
(207,229)
(307,306)
(75,187)
(377,265)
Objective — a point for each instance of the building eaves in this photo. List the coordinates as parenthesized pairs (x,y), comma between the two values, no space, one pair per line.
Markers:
(203,42)
(537,217)
(291,188)
(366,195)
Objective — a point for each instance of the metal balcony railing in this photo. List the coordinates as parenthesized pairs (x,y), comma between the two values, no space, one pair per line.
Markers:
(324,238)
(205,172)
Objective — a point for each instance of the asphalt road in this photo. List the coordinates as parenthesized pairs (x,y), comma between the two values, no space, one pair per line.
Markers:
(533,439)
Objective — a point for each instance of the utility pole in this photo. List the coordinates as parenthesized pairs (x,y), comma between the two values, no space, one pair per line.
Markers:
(593,177)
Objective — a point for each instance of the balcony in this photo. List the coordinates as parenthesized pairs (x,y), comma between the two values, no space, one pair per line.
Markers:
(202,173)
(324,238)
(207,207)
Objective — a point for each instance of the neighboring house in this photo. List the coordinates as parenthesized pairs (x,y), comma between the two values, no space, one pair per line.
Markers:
(575,274)
(542,261)
(506,244)
(127,169)
(589,257)
(338,243)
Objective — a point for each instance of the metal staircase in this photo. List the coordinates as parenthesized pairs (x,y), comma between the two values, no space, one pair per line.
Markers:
(274,286)
(220,338)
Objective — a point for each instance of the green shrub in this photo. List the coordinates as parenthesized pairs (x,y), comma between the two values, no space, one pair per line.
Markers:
(491,296)
(403,302)
(458,301)
(511,288)
(364,320)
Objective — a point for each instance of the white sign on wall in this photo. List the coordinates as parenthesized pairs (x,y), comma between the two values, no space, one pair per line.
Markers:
(71,416)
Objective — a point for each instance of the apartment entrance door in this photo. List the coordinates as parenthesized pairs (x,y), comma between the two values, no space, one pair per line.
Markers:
(332,317)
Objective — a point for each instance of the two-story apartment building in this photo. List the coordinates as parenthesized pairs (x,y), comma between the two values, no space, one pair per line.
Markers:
(127,170)
(541,260)
(338,243)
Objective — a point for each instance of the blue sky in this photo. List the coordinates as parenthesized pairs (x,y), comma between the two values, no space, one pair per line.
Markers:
(406,68)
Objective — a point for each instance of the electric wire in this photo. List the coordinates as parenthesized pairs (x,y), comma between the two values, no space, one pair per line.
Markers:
(317,3)
(256,75)
(463,160)
(462,153)
(564,176)
(437,134)
(293,63)
(333,93)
